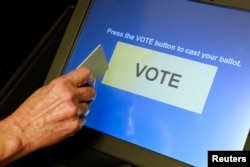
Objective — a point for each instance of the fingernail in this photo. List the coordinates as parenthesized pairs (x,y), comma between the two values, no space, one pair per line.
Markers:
(86,113)
(82,122)
(91,81)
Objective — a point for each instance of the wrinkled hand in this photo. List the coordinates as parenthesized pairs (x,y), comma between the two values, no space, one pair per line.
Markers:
(51,113)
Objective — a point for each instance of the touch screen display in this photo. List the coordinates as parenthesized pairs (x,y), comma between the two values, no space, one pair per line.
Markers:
(178,78)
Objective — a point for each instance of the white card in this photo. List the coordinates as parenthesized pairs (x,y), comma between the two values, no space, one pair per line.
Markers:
(96,62)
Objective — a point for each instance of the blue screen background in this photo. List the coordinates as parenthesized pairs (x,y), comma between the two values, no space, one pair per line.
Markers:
(169,130)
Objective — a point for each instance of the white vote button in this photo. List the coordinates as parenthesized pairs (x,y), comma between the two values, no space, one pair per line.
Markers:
(162,77)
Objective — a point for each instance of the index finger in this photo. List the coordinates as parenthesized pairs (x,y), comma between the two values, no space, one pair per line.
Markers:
(79,76)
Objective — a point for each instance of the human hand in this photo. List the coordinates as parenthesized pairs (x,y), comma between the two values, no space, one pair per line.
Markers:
(51,113)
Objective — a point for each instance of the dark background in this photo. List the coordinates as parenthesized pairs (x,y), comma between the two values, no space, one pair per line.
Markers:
(23,24)
(31,32)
